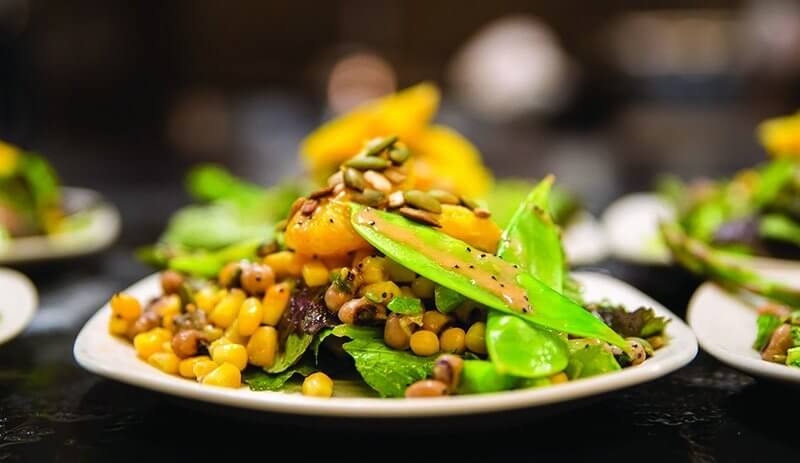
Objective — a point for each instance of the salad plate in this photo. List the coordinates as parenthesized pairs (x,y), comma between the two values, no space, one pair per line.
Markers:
(725,326)
(17,303)
(101,353)
(584,240)
(94,223)
(631,227)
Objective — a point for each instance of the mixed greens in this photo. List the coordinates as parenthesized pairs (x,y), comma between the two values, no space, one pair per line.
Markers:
(414,291)
(30,194)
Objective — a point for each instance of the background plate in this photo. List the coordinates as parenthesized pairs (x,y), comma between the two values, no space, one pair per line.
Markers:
(18,302)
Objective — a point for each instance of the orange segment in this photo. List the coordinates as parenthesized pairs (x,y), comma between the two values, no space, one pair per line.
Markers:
(327,232)
(460,222)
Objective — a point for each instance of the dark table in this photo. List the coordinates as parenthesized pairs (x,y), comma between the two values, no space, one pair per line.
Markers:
(52,410)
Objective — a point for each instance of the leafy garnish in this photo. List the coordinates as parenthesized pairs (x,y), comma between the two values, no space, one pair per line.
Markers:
(405,305)
(293,348)
(387,371)
(587,360)
(767,324)
(260,380)
(307,312)
(641,322)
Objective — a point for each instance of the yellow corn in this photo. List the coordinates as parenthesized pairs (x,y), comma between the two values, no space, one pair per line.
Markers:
(285,263)
(233,334)
(166,346)
(235,354)
(225,375)
(126,306)
(226,311)
(203,367)
(208,297)
(117,325)
(361,255)
(381,292)
(275,302)
(150,342)
(315,273)
(373,269)
(559,378)
(262,346)
(169,305)
(164,361)
(250,315)
(318,385)
(186,367)
(212,332)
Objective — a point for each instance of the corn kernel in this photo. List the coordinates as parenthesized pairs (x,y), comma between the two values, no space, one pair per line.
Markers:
(285,263)
(424,343)
(559,378)
(275,302)
(226,311)
(315,273)
(262,347)
(381,292)
(208,297)
(422,287)
(203,367)
(225,375)
(234,335)
(212,332)
(361,255)
(169,305)
(235,354)
(476,338)
(164,361)
(126,306)
(118,326)
(250,315)
(186,367)
(166,346)
(150,342)
(318,385)
(373,269)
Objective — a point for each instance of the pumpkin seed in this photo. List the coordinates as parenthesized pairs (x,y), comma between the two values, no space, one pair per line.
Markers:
(399,154)
(377,145)
(422,200)
(469,203)
(369,197)
(417,215)
(354,179)
(378,181)
(444,197)
(394,175)
(366,163)
(396,199)
(482,212)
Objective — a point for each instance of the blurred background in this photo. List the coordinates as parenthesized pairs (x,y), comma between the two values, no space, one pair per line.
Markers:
(124,96)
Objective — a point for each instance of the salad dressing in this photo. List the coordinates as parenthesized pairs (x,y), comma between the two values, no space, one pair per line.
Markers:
(479,267)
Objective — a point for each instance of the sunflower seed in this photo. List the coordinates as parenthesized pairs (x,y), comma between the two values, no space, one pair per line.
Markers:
(296,206)
(422,200)
(394,175)
(322,192)
(378,181)
(336,178)
(354,179)
(417,215)
(365,163)
(399,154)
(444,197)
(338,188)
(396,199)
(377,145)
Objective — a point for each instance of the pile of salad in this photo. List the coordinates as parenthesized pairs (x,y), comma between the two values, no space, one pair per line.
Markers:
(30,196)
(757,212)
(778,335)
(415,291)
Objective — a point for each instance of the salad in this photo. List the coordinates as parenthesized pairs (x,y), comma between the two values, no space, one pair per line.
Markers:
(414,291)
(757,212)
(778,334)
(30,196)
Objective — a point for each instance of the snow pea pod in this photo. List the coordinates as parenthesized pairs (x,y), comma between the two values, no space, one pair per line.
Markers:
(480,276)
(531,240)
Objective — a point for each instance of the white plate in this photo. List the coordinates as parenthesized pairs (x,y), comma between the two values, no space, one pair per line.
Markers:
(631,227)
(17,303)
(105,355)
(99,232)
(585,240)
(726,328)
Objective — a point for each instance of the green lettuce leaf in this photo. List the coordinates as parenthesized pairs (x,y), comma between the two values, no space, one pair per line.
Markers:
(387,371)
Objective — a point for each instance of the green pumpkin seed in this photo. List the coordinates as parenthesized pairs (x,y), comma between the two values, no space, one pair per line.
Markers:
(370,197)
(368,163)
(377,145)
(354,179)
(423,201)
(444,197)
(399,154)
(469,203)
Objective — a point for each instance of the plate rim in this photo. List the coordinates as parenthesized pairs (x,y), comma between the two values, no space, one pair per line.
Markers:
(26,320)
(750,365)
(104,208)
(296,404)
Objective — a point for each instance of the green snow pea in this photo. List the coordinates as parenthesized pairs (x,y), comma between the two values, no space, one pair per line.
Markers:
(446,300)
(530,240)
(477,275)
(589,360)
(767,324)
(481,376)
